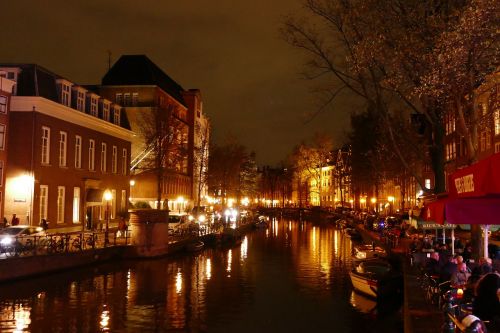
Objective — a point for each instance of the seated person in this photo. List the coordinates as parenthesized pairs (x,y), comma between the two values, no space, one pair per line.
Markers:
(448,269)
(460,276)
(432,264)
(486,303)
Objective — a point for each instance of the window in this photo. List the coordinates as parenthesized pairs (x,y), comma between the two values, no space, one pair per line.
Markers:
(496,121)
(113,204)
(93,106)
(428,183)
(123,202)
(126,99)
(45,145)
(449,123)
(80,101)
(118,98)
(62,148)
(2,136)
(497,147)
(1,173)
(135,99)
(105,111)
(65,94)
(103,157)
(91,155)
(116,116)
(451,151)
(114,160)
(60,204)
(485,140)
(3,104)
(44,197)
(78,152)
(76,205)
(124,162)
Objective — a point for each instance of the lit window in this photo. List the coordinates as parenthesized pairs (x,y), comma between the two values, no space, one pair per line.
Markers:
(76,205)
(124,162)
(44,197)
(123,202)
(3,104)
(78,152)
(45,145)
(103,157)
(91,155)
(114,160)
(113,204)
(62,148)
(2,136)
(428,183)
(60,204)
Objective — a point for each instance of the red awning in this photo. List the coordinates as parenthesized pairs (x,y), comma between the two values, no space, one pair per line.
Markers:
(477,180)
(485,210)
(434,211)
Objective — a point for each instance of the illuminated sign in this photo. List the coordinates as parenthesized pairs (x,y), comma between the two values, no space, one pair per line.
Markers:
(465,184)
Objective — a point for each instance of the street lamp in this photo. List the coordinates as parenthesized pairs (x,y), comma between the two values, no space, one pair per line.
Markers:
(391,202)
(373,200)
(107,196)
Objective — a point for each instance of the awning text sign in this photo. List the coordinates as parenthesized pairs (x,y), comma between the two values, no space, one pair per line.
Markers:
(477,180)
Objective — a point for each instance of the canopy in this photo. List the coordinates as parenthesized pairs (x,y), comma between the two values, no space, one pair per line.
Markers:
(485,210)
(434,211)
(478,180)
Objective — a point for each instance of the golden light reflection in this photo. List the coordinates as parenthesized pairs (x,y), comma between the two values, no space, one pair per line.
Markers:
(290,226)
(275,227)
(313,235)
(129,274)
(22,318)
(229,260)
(104,323)
(208,268)
(336,241)
(244,248)
(267,233)
(178,282)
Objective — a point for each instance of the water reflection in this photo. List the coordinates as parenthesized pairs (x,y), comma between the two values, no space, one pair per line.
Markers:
(293,277)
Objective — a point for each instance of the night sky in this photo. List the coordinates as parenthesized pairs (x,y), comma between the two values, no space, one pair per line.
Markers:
(231,50)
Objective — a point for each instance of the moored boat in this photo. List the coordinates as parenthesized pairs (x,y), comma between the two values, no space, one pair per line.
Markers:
(366,252)
(375,278)
(195,246)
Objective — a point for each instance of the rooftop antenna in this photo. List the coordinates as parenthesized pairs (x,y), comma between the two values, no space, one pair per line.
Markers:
(109,59)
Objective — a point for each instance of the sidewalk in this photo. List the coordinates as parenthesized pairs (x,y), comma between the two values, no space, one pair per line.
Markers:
(75,229)
(419,315)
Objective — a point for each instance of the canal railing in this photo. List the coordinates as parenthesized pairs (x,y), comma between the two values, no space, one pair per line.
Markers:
(61,243)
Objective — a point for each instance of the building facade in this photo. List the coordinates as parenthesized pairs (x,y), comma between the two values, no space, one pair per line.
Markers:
(149,97)
(71,145)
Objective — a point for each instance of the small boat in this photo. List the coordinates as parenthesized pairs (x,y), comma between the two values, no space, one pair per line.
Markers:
(261,222)
(195,246)
(362,303)
(375,278)
(366,252)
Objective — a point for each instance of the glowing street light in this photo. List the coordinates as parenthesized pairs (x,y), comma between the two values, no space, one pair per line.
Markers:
(108,196)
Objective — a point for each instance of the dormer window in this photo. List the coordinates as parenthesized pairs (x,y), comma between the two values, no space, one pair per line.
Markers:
(105,111)
(93,106)
(64,91)
(135,99)
(79,98)
(3,104)
(116,116)
(118,98)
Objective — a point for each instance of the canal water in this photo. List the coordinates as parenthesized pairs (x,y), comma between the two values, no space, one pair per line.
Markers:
(290,277)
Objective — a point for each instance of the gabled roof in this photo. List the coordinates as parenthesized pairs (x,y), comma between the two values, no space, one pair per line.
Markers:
(140,70)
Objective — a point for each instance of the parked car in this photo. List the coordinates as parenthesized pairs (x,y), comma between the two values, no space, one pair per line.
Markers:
(18,238)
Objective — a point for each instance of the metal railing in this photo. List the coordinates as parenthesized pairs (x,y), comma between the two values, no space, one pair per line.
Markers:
(61,243)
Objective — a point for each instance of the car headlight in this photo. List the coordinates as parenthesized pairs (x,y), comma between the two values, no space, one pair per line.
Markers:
(191,217)
(6,240)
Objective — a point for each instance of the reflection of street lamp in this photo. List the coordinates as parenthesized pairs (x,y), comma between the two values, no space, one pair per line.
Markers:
(180,201)
(107,196)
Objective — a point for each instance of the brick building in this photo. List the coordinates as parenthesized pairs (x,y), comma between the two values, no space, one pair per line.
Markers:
(67,146)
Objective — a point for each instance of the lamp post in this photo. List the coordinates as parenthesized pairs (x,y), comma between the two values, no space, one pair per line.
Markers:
(374,202)
(107,196)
